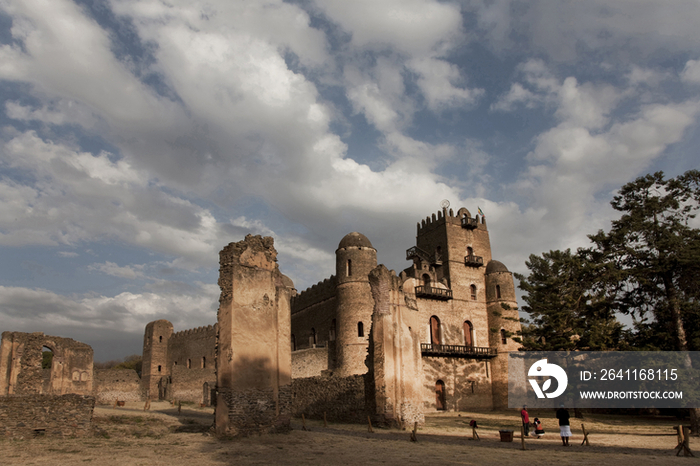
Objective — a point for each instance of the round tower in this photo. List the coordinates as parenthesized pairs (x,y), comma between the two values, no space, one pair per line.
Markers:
(155,356)
(504,323)
(355,258)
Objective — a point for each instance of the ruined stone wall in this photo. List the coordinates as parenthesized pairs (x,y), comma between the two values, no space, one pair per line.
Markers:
(341,398)
(309,362)
(253,361)
(394,356)
(193,348)
(28,416)
(187,384)
(117,384)
(21,359)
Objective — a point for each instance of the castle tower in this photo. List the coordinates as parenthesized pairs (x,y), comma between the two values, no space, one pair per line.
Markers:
(355,258)
(155,356)
(504,322)
(456,247)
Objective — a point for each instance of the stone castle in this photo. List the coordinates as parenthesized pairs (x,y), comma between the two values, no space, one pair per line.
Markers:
(365,341)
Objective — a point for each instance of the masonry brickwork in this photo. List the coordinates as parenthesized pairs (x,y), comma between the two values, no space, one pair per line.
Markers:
(117,385)
(29,416)
(341,399)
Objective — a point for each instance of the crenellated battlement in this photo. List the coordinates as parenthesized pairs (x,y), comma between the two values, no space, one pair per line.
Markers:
(207,331)
(322,290)
(448,216)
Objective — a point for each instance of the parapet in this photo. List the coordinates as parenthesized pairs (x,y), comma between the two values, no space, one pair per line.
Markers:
(448,216)
(314,294)
(199,332)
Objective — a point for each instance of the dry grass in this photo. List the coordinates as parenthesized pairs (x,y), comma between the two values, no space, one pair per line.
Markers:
(162,437)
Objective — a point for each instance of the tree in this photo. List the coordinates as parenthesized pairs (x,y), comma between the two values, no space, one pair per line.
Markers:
(131,362)
(568,307)
(657,252)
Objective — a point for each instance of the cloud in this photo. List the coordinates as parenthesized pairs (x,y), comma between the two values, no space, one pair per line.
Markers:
(691,72)
(110,268)
(24,309)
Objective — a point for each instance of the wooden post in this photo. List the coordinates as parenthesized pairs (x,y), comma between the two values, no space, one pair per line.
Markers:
(325,423)
(413,434)
(522,438)
(179,407)
(683,441)
(585,436)
(369,425)
(475,435)
(115,405)
(147,405)
(303,422)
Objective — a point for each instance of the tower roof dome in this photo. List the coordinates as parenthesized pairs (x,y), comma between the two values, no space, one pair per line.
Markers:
(355,239)
(496,266)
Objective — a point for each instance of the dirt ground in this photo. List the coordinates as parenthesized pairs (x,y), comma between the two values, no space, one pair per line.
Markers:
(131,436)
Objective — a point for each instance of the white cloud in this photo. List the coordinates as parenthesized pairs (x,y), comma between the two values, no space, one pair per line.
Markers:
(691,72)
(24,309)
(110,268)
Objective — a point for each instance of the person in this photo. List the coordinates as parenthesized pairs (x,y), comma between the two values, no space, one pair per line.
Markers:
(526,421)
(539,431)
(564,427)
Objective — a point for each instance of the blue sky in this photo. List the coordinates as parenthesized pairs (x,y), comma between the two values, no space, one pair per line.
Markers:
(139,137)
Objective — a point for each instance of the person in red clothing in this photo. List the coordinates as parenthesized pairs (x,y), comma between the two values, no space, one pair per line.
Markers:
(526,421)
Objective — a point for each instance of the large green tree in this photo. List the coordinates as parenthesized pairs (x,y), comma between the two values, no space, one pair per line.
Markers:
(568,307)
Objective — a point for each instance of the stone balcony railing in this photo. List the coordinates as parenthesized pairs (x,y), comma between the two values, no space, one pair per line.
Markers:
(473,261)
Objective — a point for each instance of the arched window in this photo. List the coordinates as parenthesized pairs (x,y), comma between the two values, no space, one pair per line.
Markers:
(189,364)
(331,332)
(348,268)
(160,339)
(204,362)
(498,291)
(473,290)
(312,337)
(468,333)
(503,336)
(435,330)
(294,343)
(426,281)
(360,329)
(440,404)
(470,251)
(158,368)
(438,253)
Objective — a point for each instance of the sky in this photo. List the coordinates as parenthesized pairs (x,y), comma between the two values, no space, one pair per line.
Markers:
(139,137)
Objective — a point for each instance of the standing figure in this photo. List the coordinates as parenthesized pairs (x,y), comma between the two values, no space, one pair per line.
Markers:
(539,431)
(526,421)
(564,428)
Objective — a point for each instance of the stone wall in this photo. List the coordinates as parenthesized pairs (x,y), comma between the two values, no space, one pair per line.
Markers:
(341,398)
(310,362)
(254,411)
(27,416)
(187,384)
(117,384)
(193,348)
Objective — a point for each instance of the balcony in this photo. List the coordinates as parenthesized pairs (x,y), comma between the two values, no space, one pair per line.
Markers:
(430,292)
(457,351)
(469,223)
(416,252)
(473,261)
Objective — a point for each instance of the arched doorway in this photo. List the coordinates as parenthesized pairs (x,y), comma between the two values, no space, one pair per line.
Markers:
(468,334)
(434,330)
(440,404)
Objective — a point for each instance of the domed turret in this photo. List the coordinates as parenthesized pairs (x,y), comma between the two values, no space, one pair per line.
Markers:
(496,266)
(355,258)
(356,240)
